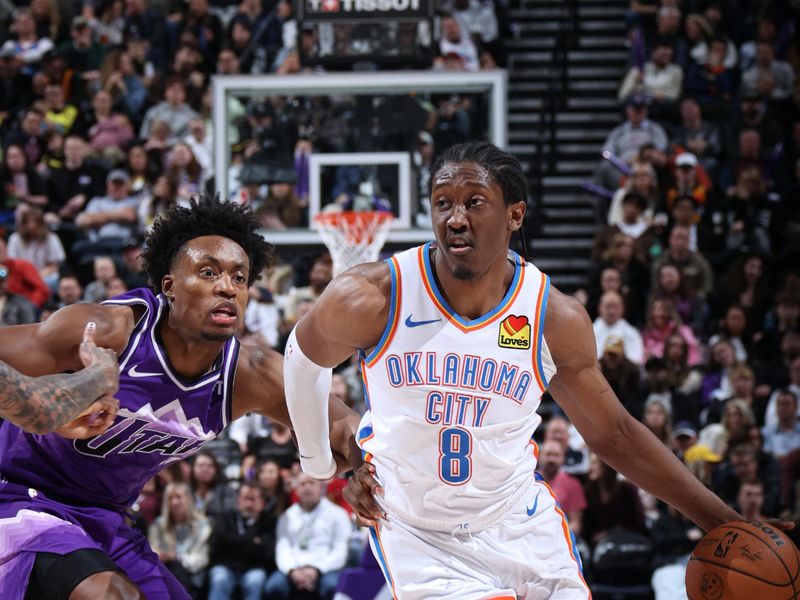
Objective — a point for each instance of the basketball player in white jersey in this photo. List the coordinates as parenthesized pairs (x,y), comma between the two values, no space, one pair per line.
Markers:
(458,341)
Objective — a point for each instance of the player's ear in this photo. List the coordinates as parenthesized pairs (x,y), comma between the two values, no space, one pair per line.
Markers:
(167,284)
(516,214)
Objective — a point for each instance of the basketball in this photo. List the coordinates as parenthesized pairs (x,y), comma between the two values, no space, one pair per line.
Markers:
(744,560)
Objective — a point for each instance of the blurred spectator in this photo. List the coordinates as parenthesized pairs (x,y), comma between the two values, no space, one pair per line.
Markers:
(710,81)
(269,478)
(567,489)
(783,316)
(697,135)
(662,321)
(635,278)
(625,140)
(783,437)
(199,141)
(180,538)
(28,47)
(70,187)
(734,329)
(576,460)
(212,496)
(110,131)
(781,73)
(643,181)
(28,135)
(281,208)
(262,316)
(622,375)
(457,41)
(702,462)
(657,418)
(745,284)
(23,278)
(182,168)
(743,383)
(35,243)
(14,309)
(742,466)
(771,414)
(126,85)
(611,502)
(278,446)
(684,436)
(686,379)
(82,53)
(668,284)
(611,323)
(134,274)
(104,271)
(686,181)
(140,170)
(115,287)
(22,185)
(312,536)
(242,548)
(716,381)
(750,500)
(766,31)
(319,277)
(752,114)
(659,387)
(143,22)
(173,110)
(660,79)
(633,224)
(111,217)
(737,419)
(674,537)
(59,113)
(748,214)
(205,27)
(695,270)
(163,195)
(69,290)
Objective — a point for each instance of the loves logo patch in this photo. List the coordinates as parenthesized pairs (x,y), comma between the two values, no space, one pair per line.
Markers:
(515,332)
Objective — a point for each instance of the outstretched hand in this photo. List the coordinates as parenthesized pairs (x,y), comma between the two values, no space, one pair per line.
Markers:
(360,494)
(100,415)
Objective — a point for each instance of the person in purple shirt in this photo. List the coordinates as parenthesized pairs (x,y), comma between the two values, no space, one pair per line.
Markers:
(183,376)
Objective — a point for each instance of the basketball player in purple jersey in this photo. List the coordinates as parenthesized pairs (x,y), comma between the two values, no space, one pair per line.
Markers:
(183,377)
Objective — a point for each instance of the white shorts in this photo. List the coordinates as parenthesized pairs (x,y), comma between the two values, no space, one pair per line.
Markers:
(529,553)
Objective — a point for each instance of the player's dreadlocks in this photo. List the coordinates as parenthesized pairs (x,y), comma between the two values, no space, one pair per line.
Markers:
(206,215)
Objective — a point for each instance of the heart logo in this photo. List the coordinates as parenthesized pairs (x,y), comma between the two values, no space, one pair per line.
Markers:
(514,324)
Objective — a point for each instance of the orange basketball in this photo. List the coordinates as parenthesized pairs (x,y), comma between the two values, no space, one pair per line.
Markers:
(744,560)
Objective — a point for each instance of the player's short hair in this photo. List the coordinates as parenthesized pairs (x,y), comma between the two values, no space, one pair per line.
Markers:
(502,166)
(205,215)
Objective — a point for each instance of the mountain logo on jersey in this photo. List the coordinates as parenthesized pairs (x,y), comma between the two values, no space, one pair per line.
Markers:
(515,332)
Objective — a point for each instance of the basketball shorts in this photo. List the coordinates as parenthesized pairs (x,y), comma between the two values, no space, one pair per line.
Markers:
(30,523)
(529,553)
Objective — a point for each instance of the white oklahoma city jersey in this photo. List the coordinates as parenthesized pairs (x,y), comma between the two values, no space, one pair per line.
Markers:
(452,402)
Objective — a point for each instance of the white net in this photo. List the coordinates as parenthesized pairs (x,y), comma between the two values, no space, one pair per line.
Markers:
(353,237)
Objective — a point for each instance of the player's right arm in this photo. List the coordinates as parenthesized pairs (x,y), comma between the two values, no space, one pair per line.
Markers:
(52,348)
(49,402)
(351,314)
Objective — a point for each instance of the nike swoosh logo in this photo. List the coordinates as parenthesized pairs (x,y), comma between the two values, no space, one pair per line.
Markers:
(134,373)
(532,509)
(411,323)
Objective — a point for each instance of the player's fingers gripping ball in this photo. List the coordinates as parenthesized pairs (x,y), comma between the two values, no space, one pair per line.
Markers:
(744,560)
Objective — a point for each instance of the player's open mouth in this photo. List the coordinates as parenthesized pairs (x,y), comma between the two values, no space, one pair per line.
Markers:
(458,247)
(224,314)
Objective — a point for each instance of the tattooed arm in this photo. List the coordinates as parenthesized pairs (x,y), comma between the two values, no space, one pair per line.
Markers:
(80,404)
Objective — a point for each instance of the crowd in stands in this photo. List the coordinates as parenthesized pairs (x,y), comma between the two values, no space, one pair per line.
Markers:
(695,280)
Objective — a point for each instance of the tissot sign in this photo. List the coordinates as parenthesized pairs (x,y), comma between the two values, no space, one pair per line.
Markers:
(364,10)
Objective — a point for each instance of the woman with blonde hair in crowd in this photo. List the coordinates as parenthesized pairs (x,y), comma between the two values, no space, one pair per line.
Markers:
(180,537)
(658,419)
(34,242)
(737,418)
(643,180)
(184,169)
(662,321)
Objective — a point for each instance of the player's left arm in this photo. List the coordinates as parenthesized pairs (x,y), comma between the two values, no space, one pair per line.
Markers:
(259,388)
(609,430)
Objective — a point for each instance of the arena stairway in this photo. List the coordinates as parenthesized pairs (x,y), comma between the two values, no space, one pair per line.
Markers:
(566,61)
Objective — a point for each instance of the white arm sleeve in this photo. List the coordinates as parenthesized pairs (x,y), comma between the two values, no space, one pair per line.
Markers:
(307,388)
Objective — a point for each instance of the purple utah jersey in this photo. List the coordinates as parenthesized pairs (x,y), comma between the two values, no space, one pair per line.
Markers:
(162,418)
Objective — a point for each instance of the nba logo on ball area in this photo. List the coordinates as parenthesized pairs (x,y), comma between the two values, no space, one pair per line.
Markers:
(515,332)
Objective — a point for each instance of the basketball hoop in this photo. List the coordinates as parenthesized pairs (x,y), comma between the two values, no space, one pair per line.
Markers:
(353,237)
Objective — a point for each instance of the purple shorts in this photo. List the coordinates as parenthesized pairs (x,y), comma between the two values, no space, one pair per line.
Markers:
(30,523)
